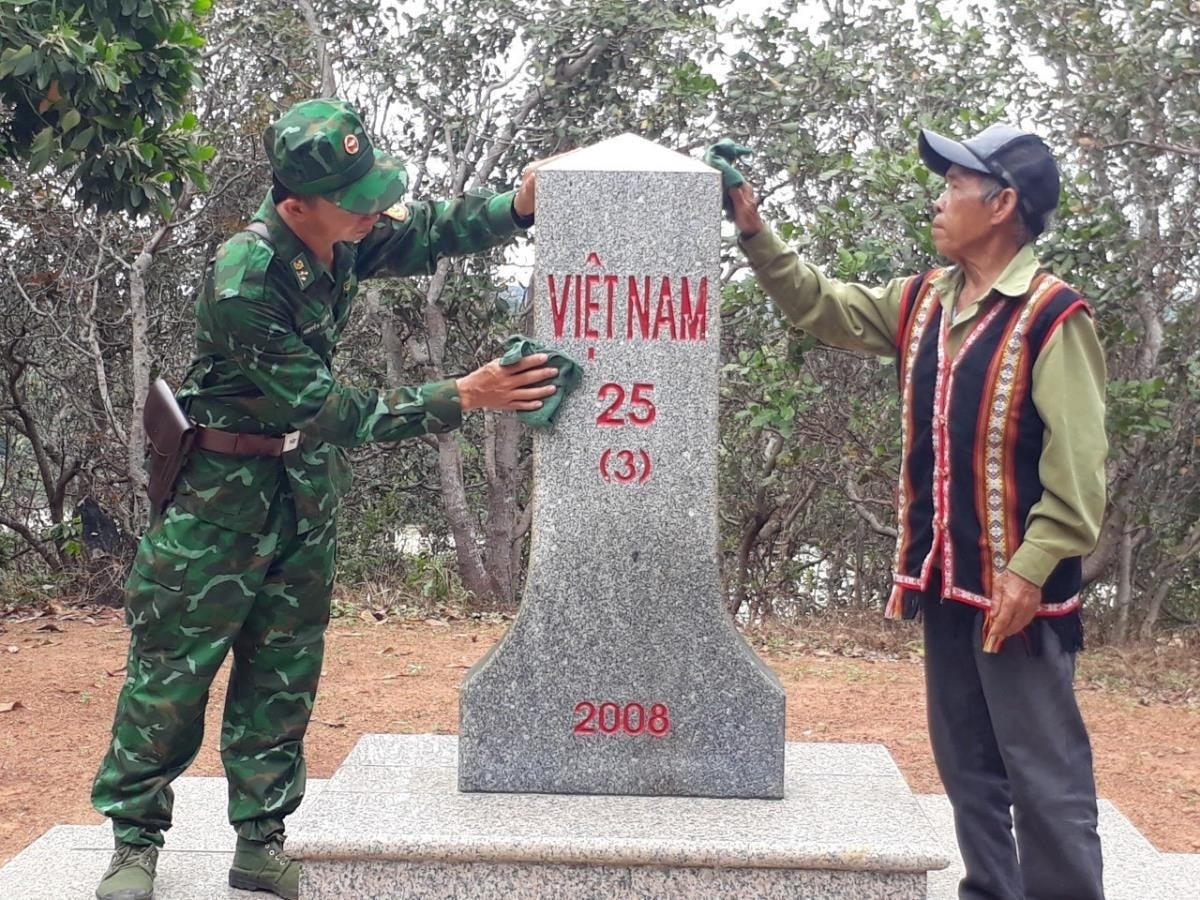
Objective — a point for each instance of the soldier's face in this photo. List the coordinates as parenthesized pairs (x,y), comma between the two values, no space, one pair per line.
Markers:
(341,224)
(327,223)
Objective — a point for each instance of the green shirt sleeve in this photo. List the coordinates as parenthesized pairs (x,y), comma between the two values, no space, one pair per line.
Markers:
(849,316)
(1068,392)
(435,228)
(261,340)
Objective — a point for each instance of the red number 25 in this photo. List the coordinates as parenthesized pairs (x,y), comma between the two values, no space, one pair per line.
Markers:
(641,409)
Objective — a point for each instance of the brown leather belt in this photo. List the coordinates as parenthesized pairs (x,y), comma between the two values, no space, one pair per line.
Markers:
(235,443)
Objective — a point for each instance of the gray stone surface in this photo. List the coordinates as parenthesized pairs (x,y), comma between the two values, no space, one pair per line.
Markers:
(622,603)
(481,881)
(71,874)
(1179,876)
(835,816)
(67,862)
(1133,868)
(404,750)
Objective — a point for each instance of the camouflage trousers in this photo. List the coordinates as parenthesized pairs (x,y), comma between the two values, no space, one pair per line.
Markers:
(196,591)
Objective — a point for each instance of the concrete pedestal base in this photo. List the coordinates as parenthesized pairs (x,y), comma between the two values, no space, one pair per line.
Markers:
(392,824)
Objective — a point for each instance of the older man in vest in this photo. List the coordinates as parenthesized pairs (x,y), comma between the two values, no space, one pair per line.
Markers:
(1002,492)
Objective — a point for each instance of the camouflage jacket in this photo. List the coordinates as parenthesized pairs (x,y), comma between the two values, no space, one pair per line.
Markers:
(268,319)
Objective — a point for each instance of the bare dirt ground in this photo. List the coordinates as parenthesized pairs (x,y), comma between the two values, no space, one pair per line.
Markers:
(60,673)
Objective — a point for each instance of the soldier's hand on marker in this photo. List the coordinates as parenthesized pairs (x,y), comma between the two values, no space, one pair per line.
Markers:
(745,210)
(523,202)
(1015,602)
(517,387)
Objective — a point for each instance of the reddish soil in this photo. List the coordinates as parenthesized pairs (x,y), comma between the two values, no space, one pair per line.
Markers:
(402,677)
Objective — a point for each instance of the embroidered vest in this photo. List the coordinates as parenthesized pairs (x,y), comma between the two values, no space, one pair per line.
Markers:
(972,441)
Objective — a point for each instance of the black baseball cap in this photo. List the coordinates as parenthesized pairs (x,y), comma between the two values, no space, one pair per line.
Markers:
(1017,159)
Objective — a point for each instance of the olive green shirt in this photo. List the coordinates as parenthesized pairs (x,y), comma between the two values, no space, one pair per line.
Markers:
(1068,381)
(268,319)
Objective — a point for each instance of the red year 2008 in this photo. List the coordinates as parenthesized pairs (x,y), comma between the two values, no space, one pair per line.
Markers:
(608,717)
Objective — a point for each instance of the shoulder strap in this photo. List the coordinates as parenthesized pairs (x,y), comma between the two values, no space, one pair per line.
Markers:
(260,228)
(230,278)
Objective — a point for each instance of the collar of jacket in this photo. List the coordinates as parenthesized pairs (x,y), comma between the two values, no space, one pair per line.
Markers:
(1014,282)
(294,253)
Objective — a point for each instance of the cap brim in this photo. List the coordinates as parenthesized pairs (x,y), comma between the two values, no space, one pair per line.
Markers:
(940,153)
(380,189)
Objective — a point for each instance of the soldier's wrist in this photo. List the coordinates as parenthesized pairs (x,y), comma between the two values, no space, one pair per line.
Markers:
(522,221)
(467,396)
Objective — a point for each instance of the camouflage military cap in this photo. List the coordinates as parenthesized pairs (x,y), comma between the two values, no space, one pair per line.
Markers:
(320,148)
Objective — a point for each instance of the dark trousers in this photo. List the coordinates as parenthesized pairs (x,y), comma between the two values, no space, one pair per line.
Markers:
(1014,757)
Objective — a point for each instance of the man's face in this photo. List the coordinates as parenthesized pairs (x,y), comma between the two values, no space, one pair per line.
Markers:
(329,222)
(963,214)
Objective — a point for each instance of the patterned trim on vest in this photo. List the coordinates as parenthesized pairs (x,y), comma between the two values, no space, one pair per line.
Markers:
(914,314)
(1009,377)
(946,386)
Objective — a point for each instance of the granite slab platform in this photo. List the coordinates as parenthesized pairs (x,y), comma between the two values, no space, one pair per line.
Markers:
(67,862)
(391,824)
(1178,876)
(1133,868)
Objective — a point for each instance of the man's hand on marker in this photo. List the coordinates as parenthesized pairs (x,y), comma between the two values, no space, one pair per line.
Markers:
(514,388)
(745,210)
(722,156)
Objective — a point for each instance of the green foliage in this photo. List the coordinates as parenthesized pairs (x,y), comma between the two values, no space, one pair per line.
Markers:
(830,99)
(1138,408)
(98,89)
(778,392)
(68,536)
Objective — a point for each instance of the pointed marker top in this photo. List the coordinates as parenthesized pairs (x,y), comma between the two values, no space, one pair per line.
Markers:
(626,153)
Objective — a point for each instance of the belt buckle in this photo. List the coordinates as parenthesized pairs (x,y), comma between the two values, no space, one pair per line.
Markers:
(291,441)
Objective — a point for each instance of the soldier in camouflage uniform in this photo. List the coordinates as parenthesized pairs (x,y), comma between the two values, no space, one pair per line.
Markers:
(243,558)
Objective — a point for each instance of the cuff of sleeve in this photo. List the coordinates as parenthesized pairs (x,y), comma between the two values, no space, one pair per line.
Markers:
(1033,564)
(502,215)
(443,406)
(762,247)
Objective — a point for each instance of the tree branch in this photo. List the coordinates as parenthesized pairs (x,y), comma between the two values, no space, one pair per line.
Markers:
(860,507)
(38,545)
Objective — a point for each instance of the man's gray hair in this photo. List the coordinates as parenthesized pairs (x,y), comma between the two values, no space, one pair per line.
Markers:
(992,187)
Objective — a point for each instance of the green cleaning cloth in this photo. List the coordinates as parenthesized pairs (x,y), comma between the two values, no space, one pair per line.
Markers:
(721,156)
(569,375)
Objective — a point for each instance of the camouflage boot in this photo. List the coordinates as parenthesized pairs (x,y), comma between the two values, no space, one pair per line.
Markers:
(264,867)
(130,875)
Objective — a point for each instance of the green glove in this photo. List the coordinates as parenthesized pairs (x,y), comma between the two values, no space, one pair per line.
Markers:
(569,375)
(721,156)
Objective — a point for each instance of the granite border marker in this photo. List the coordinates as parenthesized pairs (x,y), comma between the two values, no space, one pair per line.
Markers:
(623,673)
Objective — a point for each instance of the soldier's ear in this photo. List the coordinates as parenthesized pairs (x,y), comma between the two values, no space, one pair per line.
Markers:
(295,207)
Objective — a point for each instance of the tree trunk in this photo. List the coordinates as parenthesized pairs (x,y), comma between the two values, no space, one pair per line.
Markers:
(139,359)
(741,588)
(139,373)
(1124,588)
(458,511)
(1165,575)
(1154,609)
(501,448)
(462,522)
(327,87)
